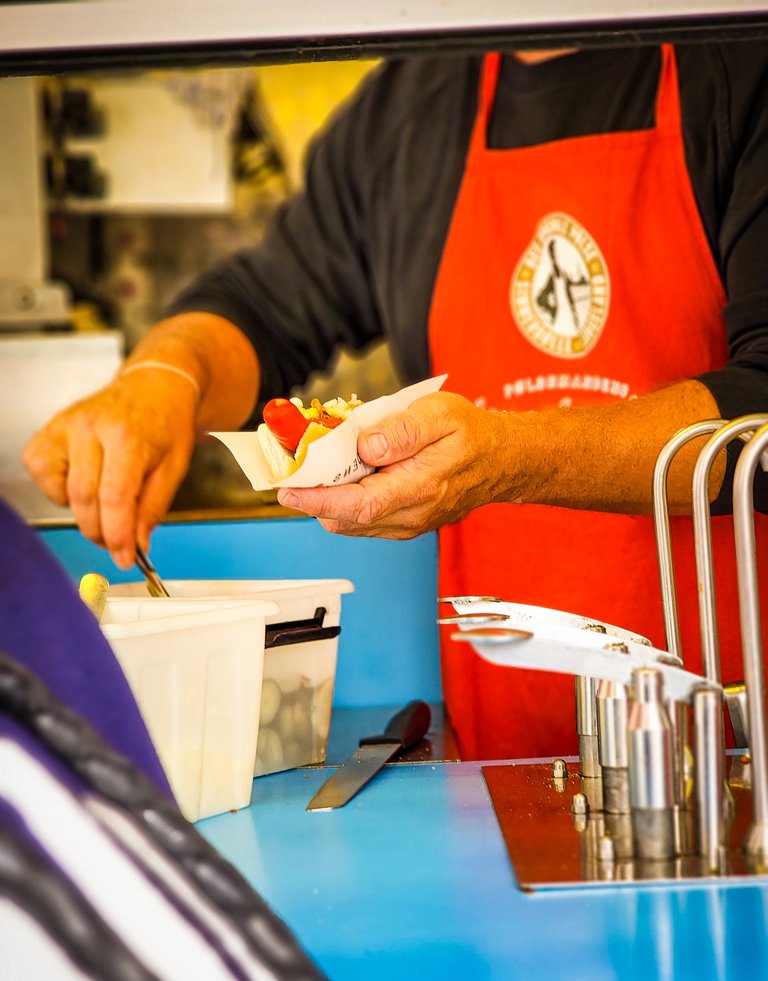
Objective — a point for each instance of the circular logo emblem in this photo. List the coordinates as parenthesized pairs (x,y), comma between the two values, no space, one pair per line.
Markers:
(560,291)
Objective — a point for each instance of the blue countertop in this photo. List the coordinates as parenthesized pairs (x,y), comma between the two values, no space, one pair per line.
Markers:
(411,879)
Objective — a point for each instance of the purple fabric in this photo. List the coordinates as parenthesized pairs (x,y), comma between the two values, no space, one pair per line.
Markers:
(45,626)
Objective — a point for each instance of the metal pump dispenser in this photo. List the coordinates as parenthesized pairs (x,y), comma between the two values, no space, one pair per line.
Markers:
(650,768)
(613,742)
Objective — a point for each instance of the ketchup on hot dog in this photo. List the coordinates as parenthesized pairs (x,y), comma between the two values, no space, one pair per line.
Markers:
(287,422)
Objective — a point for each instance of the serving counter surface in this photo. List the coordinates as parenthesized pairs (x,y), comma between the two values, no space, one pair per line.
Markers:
(411,879)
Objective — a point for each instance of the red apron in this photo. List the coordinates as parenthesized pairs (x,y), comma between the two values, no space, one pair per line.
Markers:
(574,272)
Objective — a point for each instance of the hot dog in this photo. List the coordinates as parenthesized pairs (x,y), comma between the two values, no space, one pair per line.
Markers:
(289,427)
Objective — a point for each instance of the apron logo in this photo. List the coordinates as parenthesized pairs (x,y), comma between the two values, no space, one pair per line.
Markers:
(560,290)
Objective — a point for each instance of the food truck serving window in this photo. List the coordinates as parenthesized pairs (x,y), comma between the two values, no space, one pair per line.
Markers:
(75,34)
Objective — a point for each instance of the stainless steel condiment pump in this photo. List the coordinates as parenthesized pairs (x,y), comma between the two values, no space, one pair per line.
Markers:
(650,768)
(586,725)
(613,743)
(709,774)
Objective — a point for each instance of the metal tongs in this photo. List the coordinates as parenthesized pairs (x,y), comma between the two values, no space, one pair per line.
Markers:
(154,582)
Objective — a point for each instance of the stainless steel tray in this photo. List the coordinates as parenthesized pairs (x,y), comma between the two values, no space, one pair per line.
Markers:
(551,848)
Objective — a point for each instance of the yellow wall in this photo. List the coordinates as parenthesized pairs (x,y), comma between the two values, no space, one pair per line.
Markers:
(300,98)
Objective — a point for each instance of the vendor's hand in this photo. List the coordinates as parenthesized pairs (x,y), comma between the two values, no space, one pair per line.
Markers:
(436,462)
(117,457)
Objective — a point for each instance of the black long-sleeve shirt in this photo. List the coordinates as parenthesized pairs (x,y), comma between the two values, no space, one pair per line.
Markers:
(354,257)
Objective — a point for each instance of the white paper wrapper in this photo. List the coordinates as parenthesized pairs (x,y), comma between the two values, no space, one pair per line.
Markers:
(332,459)
(571,650)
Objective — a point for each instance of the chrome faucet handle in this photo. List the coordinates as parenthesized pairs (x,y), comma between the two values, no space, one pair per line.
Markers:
(756,844)
(742,428)
(661,525)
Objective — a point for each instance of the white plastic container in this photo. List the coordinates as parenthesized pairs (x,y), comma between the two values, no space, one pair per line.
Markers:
(301,648)
(196,669)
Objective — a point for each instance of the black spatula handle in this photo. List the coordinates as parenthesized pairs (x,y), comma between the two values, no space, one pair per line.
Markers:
(407,727)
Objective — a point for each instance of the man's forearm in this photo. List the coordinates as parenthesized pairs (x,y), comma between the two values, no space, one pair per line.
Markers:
(219,358)
(602,457)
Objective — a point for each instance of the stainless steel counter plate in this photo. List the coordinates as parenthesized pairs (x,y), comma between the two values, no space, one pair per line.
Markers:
(551,847)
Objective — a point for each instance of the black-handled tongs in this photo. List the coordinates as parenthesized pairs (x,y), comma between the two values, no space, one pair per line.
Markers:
(154,582)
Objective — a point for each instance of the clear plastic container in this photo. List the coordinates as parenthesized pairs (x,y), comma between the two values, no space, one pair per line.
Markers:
(301,648)
(196,671)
